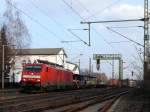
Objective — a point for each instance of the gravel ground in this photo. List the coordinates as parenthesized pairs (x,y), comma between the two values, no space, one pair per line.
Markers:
(135,101)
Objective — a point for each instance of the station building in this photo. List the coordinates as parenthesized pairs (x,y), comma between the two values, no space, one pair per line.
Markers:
(54,55)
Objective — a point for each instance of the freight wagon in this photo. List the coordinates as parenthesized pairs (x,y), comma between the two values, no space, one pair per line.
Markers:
(129,83)
(113,82)
(84,81)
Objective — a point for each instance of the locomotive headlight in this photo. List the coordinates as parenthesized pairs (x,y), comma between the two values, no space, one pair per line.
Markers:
(38,80)
(24,79)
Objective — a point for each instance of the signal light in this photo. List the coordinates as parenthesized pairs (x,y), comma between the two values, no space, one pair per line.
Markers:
(98,61)
(98,64)
(38,80)
(24,79)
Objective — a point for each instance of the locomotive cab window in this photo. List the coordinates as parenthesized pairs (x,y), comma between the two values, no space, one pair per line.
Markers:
(37,68)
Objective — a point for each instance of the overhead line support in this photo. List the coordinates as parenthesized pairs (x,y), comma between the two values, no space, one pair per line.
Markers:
(112,21)
(146,47)
(89,28)
(92,22)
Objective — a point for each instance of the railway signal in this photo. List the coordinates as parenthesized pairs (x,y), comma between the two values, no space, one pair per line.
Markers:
(118,57)
(98,64)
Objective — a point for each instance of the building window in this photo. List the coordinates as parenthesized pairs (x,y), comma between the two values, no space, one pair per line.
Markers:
(35,61)
(29,61)
(23,62)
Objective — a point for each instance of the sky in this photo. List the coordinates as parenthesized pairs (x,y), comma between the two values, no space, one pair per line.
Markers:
(55,18)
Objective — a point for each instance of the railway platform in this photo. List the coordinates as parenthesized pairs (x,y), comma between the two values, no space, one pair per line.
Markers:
(135,101)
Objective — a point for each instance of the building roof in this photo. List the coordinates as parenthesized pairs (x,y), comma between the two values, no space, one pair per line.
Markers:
(40,51)
(75,65)
(71,63)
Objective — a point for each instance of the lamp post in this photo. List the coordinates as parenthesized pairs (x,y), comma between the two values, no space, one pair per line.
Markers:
(3,51)
(3,65)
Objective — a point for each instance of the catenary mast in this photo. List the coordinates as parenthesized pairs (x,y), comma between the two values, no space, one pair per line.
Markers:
(146,46)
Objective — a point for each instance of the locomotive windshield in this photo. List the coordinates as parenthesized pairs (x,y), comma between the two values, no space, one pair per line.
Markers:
(36,68)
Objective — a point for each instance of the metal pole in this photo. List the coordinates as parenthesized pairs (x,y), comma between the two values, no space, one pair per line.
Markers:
(89,34)
(112,21)
(132,74)
(3,68)
(79,66)
(89,66)
(120,69)
(146,44)
(92,69)
(113,68)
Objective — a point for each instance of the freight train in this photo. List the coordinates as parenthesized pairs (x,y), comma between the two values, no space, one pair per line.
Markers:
(50,77)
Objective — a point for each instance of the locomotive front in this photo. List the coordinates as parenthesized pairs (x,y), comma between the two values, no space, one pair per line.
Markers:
(31,75)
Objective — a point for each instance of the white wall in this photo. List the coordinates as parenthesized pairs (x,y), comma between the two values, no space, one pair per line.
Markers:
(71,67)
(58,59)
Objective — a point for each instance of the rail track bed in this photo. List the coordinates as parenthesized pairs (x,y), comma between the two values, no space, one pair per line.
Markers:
(9,90)
(135,101)
(9,93)
(67,101)
(104,102)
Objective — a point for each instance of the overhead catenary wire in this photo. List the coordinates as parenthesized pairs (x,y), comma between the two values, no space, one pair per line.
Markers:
(141,19)
(119,42)
(126,26)
(138,26)
(139,54)
(84,19)
(71,8)
(37,22)
(94,29)
(50,17)
(99,12)
(124,36)
(63,28)
(128,20)
(114,21)
(67,4)
(77,37)
(65,41)
(59,24)
(104,39)
(34,20)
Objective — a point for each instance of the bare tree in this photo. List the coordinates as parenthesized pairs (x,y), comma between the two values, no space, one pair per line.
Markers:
(4,47)
(13,32)
(17,32)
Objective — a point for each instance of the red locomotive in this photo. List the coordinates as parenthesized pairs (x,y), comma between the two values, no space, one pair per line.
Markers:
(46,76)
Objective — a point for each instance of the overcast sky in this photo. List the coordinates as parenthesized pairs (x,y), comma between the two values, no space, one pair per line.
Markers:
(57,16)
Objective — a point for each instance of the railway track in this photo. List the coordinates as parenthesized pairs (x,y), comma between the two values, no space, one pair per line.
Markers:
(9,90)
(9,93)
(47,101)
(21,96)
(109,99)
